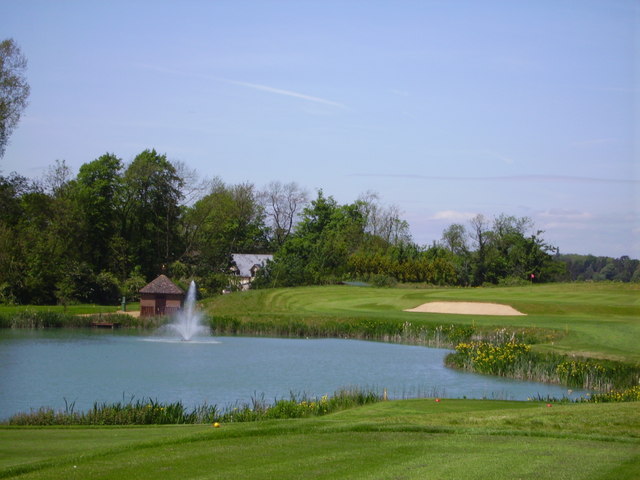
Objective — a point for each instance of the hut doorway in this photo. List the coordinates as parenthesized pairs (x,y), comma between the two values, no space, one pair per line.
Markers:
(161,303)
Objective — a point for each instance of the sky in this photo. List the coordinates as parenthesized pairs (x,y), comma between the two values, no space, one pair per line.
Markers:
(445,108)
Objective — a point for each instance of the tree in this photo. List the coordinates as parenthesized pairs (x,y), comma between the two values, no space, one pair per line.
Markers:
(383,222)
(319,250)
(14,89)
(282,204)
(480,234)
(99,188)
(149,211)
(454,239)
(227,220)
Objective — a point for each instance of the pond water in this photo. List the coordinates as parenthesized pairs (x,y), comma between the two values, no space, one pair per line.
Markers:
(48,367)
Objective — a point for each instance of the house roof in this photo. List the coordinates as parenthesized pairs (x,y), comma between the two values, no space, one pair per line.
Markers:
(162,285)
(246,261)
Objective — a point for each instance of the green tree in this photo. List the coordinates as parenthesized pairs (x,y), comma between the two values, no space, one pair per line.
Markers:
(14,89)
(149,211)
(99,189)
(319,250)
(13,248)
(507,250)
(454,239)
(230,219)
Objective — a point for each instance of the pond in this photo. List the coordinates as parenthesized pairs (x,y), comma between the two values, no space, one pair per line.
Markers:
(57,367)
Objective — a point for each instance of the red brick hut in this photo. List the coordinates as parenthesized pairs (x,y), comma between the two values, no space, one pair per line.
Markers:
(160,297)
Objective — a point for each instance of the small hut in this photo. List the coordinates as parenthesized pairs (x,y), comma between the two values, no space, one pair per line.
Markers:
(160,297)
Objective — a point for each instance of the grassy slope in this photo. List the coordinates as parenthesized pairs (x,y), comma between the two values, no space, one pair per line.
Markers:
(453,439)
(601,320)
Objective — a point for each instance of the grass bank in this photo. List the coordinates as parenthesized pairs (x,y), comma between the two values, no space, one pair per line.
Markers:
(412,439)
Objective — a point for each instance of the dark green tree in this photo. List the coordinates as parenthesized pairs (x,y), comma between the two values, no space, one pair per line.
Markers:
(98,191)
(149,211)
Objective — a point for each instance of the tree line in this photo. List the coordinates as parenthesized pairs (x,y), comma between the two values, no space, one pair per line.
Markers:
(108,230)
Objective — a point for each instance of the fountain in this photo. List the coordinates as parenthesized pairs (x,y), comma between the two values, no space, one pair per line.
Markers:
(187,321)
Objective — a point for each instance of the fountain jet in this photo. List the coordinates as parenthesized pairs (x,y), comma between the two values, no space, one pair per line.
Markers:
(187,322)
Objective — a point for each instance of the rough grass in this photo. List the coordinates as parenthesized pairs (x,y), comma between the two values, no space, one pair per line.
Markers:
(414,439)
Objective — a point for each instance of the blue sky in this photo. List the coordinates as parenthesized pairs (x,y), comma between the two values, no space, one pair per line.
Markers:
(445,108)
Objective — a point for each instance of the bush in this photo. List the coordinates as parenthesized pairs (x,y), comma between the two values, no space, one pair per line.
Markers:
(627,395)
(133,284)
(384,281)
(108,289)
(213,284)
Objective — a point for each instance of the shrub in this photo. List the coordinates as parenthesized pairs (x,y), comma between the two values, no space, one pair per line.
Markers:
(133,284)
(631,394)
(107,289)
(488,358)
(381,280)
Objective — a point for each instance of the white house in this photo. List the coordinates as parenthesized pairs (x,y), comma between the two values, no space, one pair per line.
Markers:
(246,265)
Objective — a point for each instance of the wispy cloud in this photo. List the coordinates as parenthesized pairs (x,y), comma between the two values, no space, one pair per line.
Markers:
(594,141)
(616,89)
(280,91)
(563,214)
(399,92)
(239,83)
(452,215)
(506,178)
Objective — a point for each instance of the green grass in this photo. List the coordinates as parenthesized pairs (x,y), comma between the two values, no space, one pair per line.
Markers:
(599,320)
(408,439)
(413,439)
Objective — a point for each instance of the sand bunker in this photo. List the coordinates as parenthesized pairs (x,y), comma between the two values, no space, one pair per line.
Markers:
(466,308)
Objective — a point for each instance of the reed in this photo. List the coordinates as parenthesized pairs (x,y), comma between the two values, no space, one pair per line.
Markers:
(151,412)
(517,360)
(53,319)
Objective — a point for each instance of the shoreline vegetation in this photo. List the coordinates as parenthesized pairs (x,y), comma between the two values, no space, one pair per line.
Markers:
(147,411)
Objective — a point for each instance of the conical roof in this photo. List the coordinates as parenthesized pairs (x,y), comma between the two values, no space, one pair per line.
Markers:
(162,285)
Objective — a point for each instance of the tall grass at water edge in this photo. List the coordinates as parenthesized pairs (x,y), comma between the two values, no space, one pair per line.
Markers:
(54,319)
(517,360)
(152,412)
(362,328)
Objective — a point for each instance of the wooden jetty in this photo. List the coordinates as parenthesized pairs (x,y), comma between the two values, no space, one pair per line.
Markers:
(105,324)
